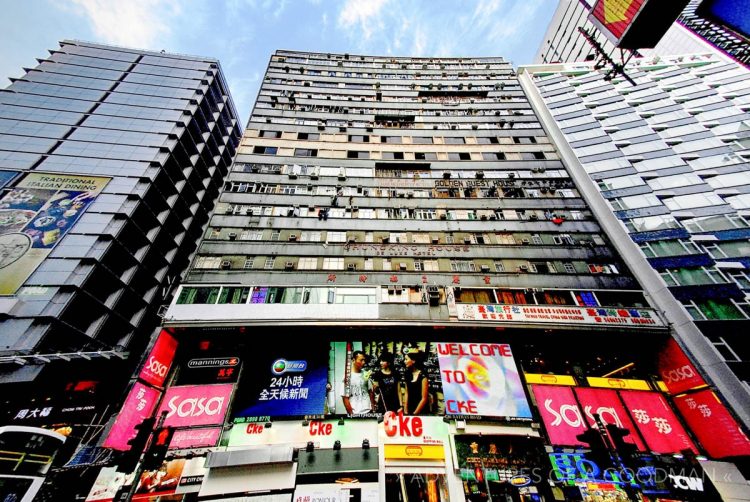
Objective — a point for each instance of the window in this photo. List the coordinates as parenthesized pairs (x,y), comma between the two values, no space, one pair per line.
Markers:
(431,266)
(234,295)
(462,266)
(353,154)
(251,235)
(309,136)
(483,140)
(249,262)
(418,265)
(270,134)
(307,263)
(208,262)
(190,296)
(459,156)
(524,140)
(499,267)
(265,150)
(505,239)
(336,237)
(275,235)
(333,264)
(532,156)
(569,268)
(269,263)
(305,152)
(493,156)
(454,141)
(393,155)
(306,236)
(358,138)
(536,239)
(390,139)
(425,156)
(421,140)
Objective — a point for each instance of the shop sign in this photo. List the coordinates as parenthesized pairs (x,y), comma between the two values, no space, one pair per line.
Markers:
(159,360)
(713,425)
(406,429)
(520,480)
(560,414)
(615,16)
(540,378)
(571,468)
(191,477)
(210,370)
(414,451)
(608,406)
(195,438)
(139,404)
(337,492)
(481,379)
(676,370)
(558,315)
(190,405)
(34,216)
(656,422)
(323,433)
(618,383)
(516,460)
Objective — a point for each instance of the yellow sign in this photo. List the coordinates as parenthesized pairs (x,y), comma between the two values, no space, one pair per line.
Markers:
(615,10)
(415,451)
(618,383)
(549,379)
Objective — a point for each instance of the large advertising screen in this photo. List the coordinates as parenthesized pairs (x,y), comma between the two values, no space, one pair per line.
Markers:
(139,404)
(34,216)
(560,413)
(607,404)
(734,14)
(656,422)
(190,405)
(615,16)
(159,361)
(481,379)
(676,370)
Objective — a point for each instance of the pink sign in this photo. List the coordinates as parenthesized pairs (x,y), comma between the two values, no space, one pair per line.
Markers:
(712,424)
(160,359)
(607,404)
(195,438)
(195,405)
(560,413)
(656,421)
(676,370)
(139,404)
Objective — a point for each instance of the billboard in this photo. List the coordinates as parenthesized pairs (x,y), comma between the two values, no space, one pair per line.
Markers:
(481,379)
(734,14)
(715,428)
(595,316)
(676,370)
(190,405)
(34,216)
(159,361)
(139,404)
(322,433)
(615,16)
(656,422)
(635,24)
(606,403)
(560,413)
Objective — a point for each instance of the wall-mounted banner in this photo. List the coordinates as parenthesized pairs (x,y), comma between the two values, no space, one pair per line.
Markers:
(139,404)
(159,360)
(713,425)
(407,429)
(195,438)
(560,413)
(607,404)
(656,421)
(676,370)
(559,315)
(323,433)
(35,216)
(190,405)
(481,379)
(288,381)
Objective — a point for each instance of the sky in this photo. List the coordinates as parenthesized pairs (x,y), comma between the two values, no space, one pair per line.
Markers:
(243,34)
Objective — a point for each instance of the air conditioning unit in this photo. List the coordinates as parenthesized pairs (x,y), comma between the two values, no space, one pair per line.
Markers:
(351,240)
(232,236)
(351,267)
(523,268)
(292,175)
(435,240)
(525,241)
(434,295)
(467,240)
(398,289)
(484,268)
(226,265)
(391,290)
(292,237)
(289,265)
(402,266)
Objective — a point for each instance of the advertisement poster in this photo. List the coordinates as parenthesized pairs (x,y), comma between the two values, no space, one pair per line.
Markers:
(139,404)
(481,379)
(713,425)
(286,382)
(607,405)
(162,481)
(615,16)
(107,483)
(560,413)
(369,378)
(657,423)
(159,361)
(192,475)
(191,405)
(676,370)
(34,216)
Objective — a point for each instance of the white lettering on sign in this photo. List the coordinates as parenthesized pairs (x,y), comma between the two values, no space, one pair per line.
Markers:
(686,483)
(678,374)
(195,407)
(604,412)
(567,413)
(157,368)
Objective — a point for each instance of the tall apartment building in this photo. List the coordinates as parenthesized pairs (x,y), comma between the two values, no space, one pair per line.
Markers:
(689,34)
(110,161)
(402,291)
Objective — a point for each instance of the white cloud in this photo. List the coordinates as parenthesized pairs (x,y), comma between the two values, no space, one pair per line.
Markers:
(364,15)
(134,23)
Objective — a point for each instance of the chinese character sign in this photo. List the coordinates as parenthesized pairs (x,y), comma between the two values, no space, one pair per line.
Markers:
(560,413)
(139,404)
(657,423)
(481,379)
(712,424)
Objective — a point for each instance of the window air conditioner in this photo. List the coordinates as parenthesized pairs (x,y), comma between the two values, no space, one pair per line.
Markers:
(226,265)
(402,266)
(523,268)
(351,267)
(292,237)
(484,268)
(289,265)
(232,236)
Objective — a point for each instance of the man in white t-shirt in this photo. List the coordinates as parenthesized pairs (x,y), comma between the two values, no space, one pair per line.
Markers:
(359,398)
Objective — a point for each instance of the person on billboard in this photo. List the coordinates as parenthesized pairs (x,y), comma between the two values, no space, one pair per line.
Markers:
(386,385)
(417,394)
(358,396)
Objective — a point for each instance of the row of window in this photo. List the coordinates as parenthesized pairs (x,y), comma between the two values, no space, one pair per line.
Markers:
(342,125)
(363,154)
(415,140)
(445,99)
(375,62)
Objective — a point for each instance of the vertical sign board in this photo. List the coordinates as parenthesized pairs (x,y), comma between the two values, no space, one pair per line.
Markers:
(139,404)
(607,405)
(35,216)
(190,405)
(159,360)
(676,370)
(481,379)
(560,413)
(614,17)
(713,425)
(656,421)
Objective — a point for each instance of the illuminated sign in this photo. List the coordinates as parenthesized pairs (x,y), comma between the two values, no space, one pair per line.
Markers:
(414,452)
(618,383)
(576,468)
(676,370)
(195,405)
(560,413)
(656,422)
(635,24)
(541,378)
(323,434)
(405,429)
(734,14)
(608,406)
(195,438)
(139,404)
(159,360)
(559,315)
(214,362)
(481,379)
(616,16)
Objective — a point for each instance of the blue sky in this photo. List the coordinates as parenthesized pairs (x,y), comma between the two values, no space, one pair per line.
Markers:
(242,34)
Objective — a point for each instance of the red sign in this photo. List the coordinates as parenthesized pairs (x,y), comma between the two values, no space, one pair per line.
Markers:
(616,16)
(607,404)
(139,404)
(560,413)
(195,405)
(656,421)
(160,359)
(714,426)
(401,425)
(676,370)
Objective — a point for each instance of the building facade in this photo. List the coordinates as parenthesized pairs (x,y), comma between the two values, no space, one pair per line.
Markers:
(110,162)
(403,295)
